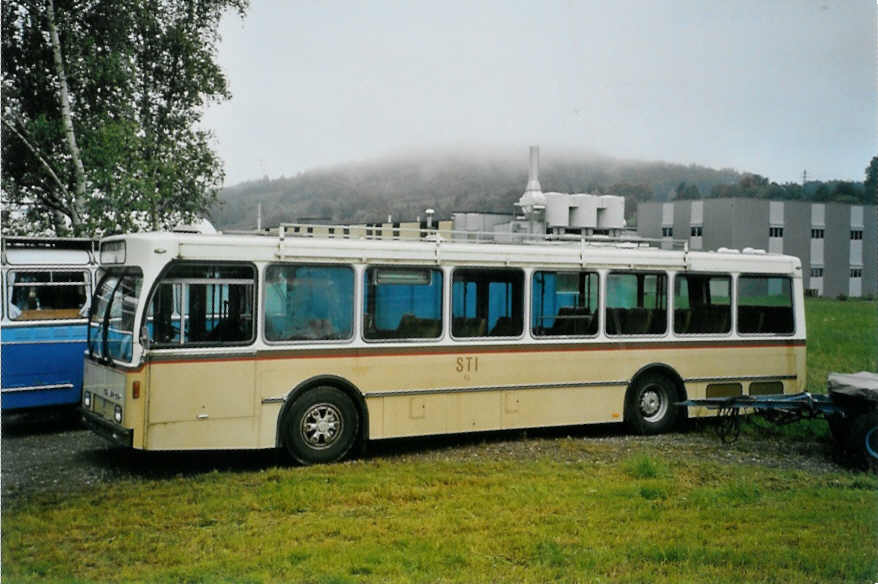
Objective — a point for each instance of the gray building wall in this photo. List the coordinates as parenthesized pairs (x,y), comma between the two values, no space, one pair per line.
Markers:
(749,223)
(740,223)
(718,224)
(837,250)
(797,234)
(870,250)
(681,220)
(649,220)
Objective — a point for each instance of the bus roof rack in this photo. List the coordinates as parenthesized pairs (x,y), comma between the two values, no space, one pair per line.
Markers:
(438,235)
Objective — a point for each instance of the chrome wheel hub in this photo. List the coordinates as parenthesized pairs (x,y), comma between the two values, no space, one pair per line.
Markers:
(653,403)
(321,426)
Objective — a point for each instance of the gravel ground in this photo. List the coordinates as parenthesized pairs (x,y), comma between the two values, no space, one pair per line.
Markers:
(53,454)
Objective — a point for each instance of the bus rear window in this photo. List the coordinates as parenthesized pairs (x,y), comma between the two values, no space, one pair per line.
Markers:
(765,305)
(202,304)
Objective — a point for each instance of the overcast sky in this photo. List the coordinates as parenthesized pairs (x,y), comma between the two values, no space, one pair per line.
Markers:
(768,86)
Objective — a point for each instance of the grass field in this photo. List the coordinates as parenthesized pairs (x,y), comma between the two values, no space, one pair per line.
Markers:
(591,506)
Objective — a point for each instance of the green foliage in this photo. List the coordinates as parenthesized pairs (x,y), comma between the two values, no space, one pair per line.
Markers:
(870,185)
(139,74)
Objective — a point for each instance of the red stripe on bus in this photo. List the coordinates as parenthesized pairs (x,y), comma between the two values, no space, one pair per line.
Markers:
(346,353)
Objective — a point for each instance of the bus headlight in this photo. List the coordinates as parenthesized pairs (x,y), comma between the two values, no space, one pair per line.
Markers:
(86,400)
(117,414)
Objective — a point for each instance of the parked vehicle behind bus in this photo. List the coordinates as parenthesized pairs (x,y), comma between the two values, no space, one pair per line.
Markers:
(47,286)
(316,344)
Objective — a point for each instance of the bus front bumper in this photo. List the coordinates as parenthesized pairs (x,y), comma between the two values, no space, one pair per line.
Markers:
(106,429)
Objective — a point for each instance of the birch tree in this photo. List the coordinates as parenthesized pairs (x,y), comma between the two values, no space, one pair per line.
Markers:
(101,101)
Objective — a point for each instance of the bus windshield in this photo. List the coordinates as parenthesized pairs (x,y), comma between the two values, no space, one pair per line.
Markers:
(111,324)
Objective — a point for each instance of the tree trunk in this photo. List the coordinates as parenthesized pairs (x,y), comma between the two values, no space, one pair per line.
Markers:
(78,203)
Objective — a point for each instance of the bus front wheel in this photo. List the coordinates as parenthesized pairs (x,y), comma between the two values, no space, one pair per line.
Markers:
(650,404)
(320,426)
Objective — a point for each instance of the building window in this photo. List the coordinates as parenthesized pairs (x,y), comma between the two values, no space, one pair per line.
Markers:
(816,234)
(667,232)
(856,234)
(856,272)
(697,231)
(816,272)
(775,232)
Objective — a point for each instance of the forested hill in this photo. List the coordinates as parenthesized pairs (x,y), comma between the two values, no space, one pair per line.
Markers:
(404,186)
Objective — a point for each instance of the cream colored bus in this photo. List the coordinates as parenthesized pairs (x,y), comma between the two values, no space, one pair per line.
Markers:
(317,344)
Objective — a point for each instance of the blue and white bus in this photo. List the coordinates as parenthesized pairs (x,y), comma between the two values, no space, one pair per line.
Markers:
(47,284)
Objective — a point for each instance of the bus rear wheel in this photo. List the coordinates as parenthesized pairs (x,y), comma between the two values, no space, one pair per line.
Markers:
(650,404)
(321,426)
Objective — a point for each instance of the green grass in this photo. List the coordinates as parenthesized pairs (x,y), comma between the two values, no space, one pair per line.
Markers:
(509,509)
(842,337)
(580,516)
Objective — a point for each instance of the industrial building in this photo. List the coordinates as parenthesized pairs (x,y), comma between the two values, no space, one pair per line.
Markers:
(835,241)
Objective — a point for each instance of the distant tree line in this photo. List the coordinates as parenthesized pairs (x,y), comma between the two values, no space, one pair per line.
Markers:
(754,186)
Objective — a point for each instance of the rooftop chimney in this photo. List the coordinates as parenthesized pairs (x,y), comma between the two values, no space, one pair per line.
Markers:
(533,173)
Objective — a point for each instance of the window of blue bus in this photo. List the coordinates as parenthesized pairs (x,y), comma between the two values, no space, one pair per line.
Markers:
(111,321)
(202,304)
(309,303)
(402,303)
(564,303)
(46,295)
(487,302)
(637,303)
(765,305)
(702,304)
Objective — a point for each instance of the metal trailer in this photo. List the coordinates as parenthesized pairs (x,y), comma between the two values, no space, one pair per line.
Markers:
(850,406)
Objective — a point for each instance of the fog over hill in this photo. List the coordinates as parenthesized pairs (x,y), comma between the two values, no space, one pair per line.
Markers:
(404,185)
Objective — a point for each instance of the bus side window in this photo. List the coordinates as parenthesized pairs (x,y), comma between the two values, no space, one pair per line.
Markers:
(765,305)
(203,304)
(487,302)
(637,303)
(702,304)
(310,303)
(402,303)
(564,303)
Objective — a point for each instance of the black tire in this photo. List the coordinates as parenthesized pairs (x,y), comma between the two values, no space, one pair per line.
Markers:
(838,427)
(862,441)
(321,425)
(650,404)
